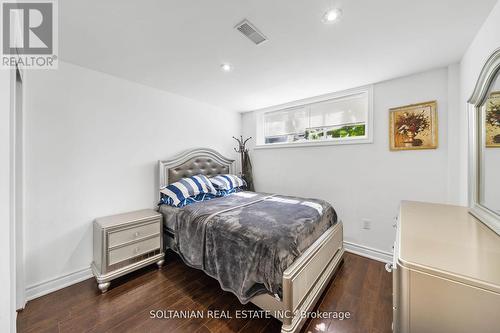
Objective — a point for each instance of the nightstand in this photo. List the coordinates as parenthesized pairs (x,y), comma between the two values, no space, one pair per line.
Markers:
(126,242)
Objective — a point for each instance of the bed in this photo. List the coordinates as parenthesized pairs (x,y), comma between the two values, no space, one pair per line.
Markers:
(194,232)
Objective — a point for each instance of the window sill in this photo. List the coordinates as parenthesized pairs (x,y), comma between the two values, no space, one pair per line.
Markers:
(315,143)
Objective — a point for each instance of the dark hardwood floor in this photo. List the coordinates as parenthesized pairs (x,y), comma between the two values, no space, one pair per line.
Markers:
(361,286)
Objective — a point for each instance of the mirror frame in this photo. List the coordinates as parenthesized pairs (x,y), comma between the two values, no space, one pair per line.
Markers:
(489,73)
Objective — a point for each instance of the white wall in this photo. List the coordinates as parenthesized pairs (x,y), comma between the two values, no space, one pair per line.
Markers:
(367,180)
(92,145)
(486,41)
(7,243)
(455,135)
(491,196)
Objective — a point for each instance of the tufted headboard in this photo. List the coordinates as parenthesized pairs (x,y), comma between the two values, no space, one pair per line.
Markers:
(193,162)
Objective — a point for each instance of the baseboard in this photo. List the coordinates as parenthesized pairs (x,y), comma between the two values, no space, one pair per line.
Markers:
(368,252)
(46,287)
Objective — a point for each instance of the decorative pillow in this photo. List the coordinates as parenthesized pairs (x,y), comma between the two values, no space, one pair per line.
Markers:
(185,188)
(227,182)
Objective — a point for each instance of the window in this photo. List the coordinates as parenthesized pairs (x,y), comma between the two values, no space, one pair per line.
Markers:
(343,118)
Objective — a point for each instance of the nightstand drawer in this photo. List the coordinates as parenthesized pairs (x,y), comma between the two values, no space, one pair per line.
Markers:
(129,235)
(133,250)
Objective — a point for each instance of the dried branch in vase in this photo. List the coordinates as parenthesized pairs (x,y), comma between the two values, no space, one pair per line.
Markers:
(493,114)
(412,123)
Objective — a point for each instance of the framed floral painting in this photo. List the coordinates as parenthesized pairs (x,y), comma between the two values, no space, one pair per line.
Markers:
(492,119)
(414,127)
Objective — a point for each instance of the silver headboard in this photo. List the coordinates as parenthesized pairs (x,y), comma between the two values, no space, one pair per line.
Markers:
(204,161)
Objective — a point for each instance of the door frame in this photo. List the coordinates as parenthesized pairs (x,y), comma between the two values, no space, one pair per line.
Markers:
(17,181)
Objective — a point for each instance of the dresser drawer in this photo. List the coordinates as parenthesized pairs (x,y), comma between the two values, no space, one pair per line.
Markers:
(128,235)
(132,250)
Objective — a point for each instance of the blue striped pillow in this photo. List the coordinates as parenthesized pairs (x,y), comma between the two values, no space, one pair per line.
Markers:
(227,182)
(166,200)
(188,187)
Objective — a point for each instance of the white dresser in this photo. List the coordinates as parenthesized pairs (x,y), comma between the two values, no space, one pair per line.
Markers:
(446,271)
(126,242)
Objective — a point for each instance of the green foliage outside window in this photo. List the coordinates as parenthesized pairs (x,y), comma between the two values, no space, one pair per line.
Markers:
(342,132)
(347,131)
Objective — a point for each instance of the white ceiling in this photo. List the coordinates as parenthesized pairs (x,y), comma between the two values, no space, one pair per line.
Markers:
(178,46)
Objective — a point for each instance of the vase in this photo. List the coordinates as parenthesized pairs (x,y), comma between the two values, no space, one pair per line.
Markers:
(408,141)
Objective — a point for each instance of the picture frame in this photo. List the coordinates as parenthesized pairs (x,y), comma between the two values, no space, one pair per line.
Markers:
(413,127)
(492,120)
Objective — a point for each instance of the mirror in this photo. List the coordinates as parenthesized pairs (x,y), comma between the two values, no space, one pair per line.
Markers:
(484,145)
(489,161)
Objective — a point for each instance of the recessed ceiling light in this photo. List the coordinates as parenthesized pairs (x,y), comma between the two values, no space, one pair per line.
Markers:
(332,15)
(226,67)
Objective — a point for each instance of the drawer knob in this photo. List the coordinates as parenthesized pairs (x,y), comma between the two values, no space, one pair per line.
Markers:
(137,234)
(388,267)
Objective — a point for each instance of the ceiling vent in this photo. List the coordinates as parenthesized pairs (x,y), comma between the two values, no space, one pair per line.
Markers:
(251,32)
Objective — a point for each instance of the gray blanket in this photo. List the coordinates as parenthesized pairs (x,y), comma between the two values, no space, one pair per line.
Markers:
(247,240)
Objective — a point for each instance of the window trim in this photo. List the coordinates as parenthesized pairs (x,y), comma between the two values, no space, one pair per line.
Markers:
(368,138)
